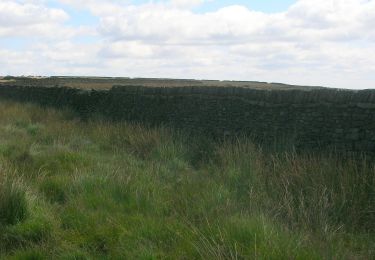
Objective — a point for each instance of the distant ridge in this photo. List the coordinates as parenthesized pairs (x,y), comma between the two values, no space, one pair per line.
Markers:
(86,82)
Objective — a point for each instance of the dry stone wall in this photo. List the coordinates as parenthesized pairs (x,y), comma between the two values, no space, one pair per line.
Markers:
(311,119)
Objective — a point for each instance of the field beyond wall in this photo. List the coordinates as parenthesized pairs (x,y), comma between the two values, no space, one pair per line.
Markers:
(94,189)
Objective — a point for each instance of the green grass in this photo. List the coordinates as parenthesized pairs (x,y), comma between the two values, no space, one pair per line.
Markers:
(101,190)
(13,204)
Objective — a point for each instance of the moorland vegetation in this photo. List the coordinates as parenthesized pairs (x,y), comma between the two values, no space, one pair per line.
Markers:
(94,189)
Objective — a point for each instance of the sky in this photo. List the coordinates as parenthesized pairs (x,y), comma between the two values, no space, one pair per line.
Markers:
(306,42)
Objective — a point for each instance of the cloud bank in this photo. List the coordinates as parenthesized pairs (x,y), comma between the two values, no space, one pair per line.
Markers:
(313,42)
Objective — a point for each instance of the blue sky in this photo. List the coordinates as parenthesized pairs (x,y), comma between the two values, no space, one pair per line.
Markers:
(258,5)
(268,6)
(84,17)
(77,16)
(307,42)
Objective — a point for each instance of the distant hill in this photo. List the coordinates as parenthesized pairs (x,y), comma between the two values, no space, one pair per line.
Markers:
(108,82)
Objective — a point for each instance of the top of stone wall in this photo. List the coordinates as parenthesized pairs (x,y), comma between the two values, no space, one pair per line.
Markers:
(275,96)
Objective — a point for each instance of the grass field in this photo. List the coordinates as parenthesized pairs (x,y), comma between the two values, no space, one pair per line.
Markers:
(101,190)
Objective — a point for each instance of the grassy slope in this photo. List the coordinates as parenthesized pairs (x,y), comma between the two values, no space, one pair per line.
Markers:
(86,190)
(108,82)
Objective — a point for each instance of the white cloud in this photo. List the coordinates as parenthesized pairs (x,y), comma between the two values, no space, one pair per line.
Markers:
(29,19)
(168,25)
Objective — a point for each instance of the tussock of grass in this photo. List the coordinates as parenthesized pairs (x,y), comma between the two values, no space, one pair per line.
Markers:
(95,189)
(13,203)
(28,254)
(54,190)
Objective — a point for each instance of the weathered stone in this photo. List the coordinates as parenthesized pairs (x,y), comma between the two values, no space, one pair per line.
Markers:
(314,119)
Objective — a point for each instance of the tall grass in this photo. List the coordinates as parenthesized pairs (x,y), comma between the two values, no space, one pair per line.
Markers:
(319,192)
(13,204)
(100,189)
